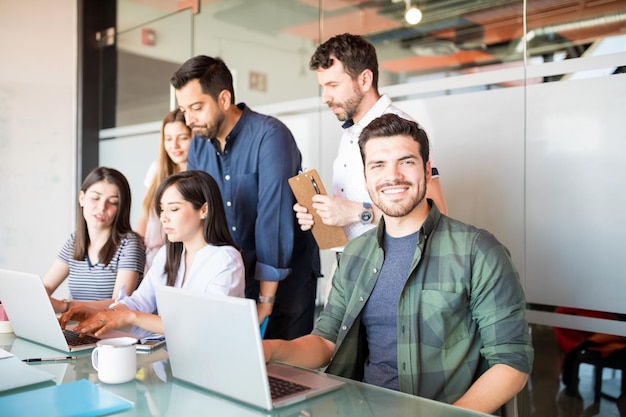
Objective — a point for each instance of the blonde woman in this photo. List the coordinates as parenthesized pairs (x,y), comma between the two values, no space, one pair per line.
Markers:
(173,147)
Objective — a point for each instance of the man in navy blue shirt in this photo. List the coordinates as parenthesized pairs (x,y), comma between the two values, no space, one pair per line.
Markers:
(251,156)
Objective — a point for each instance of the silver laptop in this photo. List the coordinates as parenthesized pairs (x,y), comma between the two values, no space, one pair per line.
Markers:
(214,342)
(32,317)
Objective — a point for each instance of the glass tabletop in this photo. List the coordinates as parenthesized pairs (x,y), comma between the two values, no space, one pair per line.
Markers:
(155,392)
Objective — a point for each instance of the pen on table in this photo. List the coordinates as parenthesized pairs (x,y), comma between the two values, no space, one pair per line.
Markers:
(55,359)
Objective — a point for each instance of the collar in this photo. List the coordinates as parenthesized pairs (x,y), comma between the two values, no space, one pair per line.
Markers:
(375,111)
(245,112)
(427,227)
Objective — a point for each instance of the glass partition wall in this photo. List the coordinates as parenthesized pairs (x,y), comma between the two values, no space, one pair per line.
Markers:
(523,101)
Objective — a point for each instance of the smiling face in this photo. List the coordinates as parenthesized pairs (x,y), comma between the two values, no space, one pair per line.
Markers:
(176,140)
(100,204)
(339,91)
(181,221)
(396,175)
(202,113)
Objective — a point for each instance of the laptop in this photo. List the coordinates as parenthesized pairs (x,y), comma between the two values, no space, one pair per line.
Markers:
(214,342)
(32,317)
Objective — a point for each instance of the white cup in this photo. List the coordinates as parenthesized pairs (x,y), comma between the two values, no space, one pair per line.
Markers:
(115,360)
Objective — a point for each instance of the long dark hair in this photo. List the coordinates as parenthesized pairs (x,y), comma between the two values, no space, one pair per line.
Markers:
(121,223)
(198,188)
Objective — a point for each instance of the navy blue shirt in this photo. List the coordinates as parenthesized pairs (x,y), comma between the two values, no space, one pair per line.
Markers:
(252,172)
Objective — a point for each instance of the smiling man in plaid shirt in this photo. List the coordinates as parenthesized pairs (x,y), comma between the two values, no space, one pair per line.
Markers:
(423,304)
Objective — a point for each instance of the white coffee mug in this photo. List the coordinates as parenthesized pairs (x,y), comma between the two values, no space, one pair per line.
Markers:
(115,360)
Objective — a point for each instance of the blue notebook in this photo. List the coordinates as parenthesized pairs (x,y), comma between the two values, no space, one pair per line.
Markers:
(75,399)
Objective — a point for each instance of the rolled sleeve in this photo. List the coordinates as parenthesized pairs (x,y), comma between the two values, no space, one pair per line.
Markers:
(264,272)
(498,306)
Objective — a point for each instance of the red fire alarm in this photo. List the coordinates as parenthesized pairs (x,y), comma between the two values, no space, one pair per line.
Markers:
(148,37)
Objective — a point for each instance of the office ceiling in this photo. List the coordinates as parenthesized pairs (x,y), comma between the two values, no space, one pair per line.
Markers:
(452,33)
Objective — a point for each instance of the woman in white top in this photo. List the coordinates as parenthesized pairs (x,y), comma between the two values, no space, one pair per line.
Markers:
(199,255)
(173,147)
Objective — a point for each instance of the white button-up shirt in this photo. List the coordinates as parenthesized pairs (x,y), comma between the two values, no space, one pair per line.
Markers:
(348,178)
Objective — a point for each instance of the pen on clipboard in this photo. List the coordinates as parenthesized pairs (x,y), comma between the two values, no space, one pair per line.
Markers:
(55,359)
(315,187)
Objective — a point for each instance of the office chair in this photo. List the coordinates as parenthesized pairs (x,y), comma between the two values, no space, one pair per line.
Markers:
(591,353)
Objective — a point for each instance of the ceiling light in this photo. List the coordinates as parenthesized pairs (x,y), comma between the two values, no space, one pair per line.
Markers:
(413,15)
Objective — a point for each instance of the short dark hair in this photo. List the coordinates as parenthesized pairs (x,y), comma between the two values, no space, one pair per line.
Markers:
(393,125)
(355,53)
(212,73)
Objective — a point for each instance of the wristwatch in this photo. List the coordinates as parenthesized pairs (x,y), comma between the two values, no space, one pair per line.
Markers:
(266,299)
(367,215)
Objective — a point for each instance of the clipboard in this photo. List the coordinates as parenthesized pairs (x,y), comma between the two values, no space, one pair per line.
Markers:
(304,186)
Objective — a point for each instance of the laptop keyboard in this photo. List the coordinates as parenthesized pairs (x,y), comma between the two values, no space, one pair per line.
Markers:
(281,388)
(74,338)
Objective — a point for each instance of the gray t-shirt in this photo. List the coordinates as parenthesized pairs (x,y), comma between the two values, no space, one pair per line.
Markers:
(380,312)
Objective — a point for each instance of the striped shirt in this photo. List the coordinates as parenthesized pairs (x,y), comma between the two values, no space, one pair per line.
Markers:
(96,282)
(462,309)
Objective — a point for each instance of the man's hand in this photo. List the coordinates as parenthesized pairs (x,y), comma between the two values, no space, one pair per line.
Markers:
(268,348)
(309,351)
(305,219)
(335,211)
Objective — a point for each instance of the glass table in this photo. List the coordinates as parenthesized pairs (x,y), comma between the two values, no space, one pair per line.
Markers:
(155,392)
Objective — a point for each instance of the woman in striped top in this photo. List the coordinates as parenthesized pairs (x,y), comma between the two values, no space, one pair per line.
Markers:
(200,256)
(103,257)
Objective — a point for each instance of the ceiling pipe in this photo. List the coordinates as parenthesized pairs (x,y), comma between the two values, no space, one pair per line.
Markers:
(570,26)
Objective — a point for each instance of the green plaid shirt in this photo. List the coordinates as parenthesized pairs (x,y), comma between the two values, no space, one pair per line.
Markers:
(461,311)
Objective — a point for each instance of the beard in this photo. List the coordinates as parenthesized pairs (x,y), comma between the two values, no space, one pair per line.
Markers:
(349,107)
(398,208)
(209,132)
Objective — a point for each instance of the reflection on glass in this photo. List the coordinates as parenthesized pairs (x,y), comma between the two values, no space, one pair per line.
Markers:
(268,43)
(547,395)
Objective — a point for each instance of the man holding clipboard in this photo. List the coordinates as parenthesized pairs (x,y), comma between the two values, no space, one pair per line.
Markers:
(305,187)
(347,71)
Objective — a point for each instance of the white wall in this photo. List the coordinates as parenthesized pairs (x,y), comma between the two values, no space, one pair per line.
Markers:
(37,131)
